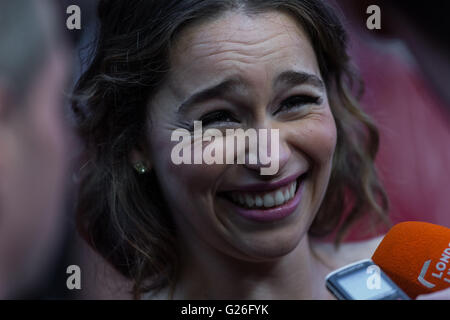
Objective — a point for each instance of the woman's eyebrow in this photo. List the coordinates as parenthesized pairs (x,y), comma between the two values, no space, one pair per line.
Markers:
(294,78)
(236,84)
(229,85)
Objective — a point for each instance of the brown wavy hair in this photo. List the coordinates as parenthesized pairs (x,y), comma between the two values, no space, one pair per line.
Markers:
(120,213)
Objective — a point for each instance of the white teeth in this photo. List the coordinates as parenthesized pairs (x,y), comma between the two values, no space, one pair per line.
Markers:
(279,198)
(267,200)
(292,189)
(287,195)
(249,200)
(259,201)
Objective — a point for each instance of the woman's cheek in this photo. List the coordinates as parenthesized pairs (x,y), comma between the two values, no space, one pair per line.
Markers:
(316,137)
(174,160)
(328,136)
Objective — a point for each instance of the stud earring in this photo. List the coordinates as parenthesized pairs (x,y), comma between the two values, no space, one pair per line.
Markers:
(140,168)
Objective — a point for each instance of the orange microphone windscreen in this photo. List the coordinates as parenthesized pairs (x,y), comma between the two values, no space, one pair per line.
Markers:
(416,256)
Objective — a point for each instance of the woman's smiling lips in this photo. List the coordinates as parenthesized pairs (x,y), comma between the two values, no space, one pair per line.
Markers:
(266,202)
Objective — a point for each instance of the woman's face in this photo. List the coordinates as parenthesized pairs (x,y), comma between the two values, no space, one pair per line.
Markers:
(266,76)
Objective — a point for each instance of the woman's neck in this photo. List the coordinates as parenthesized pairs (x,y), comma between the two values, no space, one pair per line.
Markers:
(209,274)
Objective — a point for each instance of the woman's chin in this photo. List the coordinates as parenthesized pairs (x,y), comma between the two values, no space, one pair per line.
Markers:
(265,248)
(260,239)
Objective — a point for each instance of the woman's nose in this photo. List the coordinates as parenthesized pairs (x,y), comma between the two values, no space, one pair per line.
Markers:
(270,155)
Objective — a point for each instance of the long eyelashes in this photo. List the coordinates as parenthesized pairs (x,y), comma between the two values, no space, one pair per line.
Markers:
(293,103)
(296,102)
(220,116)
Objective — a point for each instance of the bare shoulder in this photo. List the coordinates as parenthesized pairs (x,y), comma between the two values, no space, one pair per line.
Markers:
(346,253)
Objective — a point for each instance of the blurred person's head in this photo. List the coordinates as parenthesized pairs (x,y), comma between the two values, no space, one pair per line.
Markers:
(33,141)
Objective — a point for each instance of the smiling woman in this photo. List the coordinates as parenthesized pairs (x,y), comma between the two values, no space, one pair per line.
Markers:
(222,230)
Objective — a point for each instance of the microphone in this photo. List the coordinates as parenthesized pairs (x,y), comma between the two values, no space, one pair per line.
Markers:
(416,256)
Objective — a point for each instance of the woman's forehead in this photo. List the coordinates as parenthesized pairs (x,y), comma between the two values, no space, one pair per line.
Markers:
(258,46)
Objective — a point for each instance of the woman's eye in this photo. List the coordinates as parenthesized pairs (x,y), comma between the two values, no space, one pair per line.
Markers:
(218,117)
(296,102)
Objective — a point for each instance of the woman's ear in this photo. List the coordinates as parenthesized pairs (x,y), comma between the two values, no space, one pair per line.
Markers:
(139,161)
